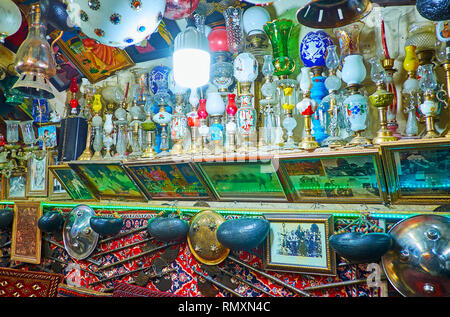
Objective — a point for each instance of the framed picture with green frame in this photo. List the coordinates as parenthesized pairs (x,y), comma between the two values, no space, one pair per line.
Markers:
(169,179)
(339,176)
(418,171)
(108,180)
(73,184)
(244,179)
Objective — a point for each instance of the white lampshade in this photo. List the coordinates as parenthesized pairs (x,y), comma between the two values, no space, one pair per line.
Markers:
(11,19)
(254,19)
(214,104)
(191,58)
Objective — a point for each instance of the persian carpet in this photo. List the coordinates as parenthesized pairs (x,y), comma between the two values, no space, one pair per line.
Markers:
(19,283)
(127,290)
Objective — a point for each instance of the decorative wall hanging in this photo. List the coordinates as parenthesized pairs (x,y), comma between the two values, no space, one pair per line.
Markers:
(94,60)
(159,45)
(418,172)
(243,179)
(341,176)
(107,180)
(16,186)
(416,265)
(168,179)
(79,238)
(56,190)
(72,183)
(26,236)
(299,243)
(65,70)
(37,175)
(19,283)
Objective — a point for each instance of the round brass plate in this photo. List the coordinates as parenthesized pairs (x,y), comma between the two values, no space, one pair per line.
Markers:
(202,238)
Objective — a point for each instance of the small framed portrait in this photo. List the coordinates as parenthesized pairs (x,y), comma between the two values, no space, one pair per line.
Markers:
(56,190)
(47,136)
(37,175)
(26,236)
(299,243)
(15,187)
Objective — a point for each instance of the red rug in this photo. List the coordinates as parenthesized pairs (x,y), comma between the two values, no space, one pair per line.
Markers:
(128,290)
(19,283)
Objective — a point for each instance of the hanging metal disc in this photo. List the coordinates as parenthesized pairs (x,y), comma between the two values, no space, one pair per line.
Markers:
(202,238)
(79,238)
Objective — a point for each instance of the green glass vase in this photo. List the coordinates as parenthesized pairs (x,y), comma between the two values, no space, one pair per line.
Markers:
(278,32)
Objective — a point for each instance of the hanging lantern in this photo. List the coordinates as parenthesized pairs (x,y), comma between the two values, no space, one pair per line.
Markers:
(35,61)
(191,58)
(117,23)
(11,19)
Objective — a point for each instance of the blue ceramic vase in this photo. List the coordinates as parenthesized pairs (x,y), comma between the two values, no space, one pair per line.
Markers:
(313,48)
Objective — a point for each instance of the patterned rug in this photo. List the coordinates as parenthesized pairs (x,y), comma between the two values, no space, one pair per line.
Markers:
(18,283)
(65,290)
(127,290)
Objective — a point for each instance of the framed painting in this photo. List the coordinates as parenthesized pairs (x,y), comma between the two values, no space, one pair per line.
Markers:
(72,183)
(37,175)
(94,60)
(65,71)
(56,190)
(168,180)
(243,179)
(108,180)
(335,176)
(418,171)
(299,243)
(159,45)
(26,236)
(15,187)
(47,135)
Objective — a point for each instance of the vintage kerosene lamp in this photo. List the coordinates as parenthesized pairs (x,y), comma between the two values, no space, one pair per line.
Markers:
(411,92)
(231,109)
(149,127)
(97,124)
(245,71)
(429,108)
(222,66)
(216,108)
(203,129)
(387,50)
(307,107)
(88,97)
(381,99)
(178,122)
(313,50)
(235,31)
(333,101)
(443,56)
(353,73)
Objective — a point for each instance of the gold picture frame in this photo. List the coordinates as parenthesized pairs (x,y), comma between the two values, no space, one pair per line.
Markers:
(418,171)
(334,176)
(73,184)
(37,176)
(26,236)
(108,180)
(18,182)
(56,190)
(299,243)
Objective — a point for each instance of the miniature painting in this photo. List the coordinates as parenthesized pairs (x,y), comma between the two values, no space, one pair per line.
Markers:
(72,183)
